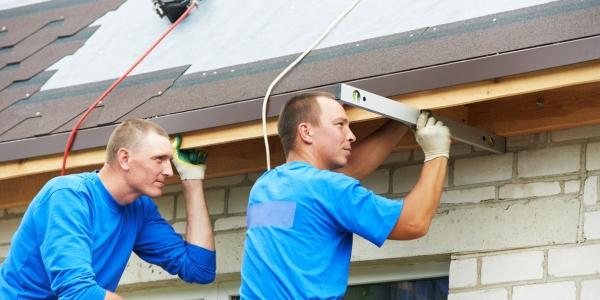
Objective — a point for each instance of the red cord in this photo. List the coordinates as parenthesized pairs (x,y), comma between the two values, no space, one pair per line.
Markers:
(115,84)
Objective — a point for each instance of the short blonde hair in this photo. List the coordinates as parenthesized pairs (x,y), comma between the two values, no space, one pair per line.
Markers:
(301,108)
(128,134)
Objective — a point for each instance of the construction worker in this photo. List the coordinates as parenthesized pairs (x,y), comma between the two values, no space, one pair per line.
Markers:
(79,231)
(302,215)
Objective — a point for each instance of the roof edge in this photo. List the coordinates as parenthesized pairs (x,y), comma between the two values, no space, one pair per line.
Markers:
(422,79)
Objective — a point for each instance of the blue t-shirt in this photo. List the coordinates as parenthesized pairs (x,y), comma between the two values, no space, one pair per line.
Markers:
(300,225)
(75,240)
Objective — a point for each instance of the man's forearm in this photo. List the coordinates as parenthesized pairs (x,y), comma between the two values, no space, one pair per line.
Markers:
(199,228)
(420,205)
(372,151)
(424,198)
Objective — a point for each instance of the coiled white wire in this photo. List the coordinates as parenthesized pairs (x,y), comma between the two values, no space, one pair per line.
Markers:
(286,70)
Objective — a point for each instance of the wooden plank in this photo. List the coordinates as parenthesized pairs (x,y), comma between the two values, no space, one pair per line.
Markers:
(224,160)
(441,98)
(538,112)
(555,78)
(561,108)
(20,191)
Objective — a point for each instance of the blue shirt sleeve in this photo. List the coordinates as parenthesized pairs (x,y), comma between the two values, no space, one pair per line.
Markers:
(359,210)
(159,244)
(63,227)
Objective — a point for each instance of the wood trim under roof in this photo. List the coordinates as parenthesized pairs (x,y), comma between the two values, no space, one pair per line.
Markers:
(557,78)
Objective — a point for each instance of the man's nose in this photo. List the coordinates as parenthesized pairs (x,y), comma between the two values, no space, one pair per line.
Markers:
(168,169)
(351,136)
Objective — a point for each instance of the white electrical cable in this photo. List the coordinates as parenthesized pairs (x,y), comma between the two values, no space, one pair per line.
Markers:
(293,64)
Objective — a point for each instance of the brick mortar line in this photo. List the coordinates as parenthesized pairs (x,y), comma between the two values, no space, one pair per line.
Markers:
(458,206)
(469,255)
(581,220)
(512,284)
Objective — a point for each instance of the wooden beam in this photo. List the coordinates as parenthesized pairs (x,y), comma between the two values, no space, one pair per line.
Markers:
(555,78)
(543,111)
(523,114)
(435,99)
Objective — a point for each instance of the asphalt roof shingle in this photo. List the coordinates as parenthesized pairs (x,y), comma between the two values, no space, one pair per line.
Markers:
(168,92)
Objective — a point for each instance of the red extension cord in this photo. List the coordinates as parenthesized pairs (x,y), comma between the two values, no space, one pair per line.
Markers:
(116,83)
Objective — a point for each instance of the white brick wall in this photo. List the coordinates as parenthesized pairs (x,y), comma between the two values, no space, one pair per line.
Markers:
(494,294)
(512,267)
(497,235)
(576,133)
(378,181)
(16,210)
(527,190)
(549,161)
(418,155)
(592,161)
(215,200)
(591,225)
(520,142)
(488,227)
(546,291)
(396,157)
(252,177)
(590,289)
(4,250)
(459,149)
(166,206)
(405,178)
(238,199)
(574,261)
(572,186)
(483,169)
(8,228)
(224,181)
(464,273)
(140,271)
(172,189)
(180,227)
(473,195)
(230,247)
(236,222)
(590,191)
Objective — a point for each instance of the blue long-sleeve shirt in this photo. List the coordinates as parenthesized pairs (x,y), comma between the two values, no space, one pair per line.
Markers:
(75,240)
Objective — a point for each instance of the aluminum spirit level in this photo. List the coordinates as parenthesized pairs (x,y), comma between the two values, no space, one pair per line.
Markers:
(408,115)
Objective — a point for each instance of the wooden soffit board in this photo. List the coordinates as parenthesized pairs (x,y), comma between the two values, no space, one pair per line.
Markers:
(539,101)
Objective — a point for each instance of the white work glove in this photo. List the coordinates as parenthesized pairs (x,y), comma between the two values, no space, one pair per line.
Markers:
(432,136)
(190,164)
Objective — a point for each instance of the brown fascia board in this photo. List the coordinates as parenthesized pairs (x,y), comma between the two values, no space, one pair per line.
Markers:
(472,70)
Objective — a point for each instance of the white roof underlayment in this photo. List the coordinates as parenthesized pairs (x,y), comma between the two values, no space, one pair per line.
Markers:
(7,4)
(221,33)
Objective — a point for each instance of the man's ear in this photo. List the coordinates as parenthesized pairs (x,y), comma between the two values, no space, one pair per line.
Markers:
(304,132)
(123,158)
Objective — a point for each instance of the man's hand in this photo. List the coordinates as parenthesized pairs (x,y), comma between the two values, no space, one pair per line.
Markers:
(433,137)
(190,164)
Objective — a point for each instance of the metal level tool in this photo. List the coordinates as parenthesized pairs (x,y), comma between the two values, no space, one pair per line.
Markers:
(408,115)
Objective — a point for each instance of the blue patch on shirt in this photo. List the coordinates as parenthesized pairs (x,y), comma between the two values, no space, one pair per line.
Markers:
(275,213)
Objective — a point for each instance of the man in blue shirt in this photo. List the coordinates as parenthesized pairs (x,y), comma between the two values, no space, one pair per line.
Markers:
(79,231)
(302,215)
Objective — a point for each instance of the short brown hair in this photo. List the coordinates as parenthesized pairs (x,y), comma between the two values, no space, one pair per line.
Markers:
(301,108)
(128,134)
